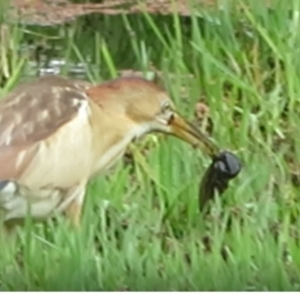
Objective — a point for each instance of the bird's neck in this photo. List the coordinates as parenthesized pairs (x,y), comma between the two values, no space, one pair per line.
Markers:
(116,135)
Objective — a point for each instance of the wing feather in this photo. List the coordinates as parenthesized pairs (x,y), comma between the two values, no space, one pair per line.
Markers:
(33,112)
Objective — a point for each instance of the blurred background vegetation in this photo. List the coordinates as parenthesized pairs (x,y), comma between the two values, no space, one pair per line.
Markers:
(232,67)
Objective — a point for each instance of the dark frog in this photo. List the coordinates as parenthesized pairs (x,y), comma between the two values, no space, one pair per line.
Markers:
(224,167)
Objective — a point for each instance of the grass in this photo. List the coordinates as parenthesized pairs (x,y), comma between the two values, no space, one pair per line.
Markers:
(141,227)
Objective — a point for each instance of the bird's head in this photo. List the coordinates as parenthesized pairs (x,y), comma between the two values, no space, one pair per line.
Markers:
(142,107)
(144,104)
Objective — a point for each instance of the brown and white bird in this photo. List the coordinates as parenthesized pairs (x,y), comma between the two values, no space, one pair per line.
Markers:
(56,134)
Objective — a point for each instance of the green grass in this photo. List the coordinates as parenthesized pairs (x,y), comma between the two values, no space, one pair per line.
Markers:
(149,235)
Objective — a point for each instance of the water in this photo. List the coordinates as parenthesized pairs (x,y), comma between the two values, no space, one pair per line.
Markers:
(76,49)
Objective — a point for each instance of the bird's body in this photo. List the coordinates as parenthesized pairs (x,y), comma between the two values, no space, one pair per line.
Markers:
(57,133)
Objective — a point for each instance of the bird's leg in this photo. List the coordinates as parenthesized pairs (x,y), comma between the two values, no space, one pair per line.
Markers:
(8,233)
(73,211)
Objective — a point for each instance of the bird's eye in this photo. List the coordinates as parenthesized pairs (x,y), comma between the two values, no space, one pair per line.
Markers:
(166,106)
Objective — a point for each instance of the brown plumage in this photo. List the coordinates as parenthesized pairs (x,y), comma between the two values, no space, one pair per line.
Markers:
(57,133)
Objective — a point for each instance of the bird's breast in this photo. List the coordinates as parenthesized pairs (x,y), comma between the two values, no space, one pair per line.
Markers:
(64,159)
(86,146)
(116,145)
(107,158)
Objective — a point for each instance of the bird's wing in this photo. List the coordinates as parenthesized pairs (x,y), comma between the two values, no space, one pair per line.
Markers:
(33,112)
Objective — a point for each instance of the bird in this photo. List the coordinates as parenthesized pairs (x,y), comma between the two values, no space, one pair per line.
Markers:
(57,133)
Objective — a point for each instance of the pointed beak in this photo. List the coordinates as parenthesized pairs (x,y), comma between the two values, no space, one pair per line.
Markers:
(186,131)
(224,166)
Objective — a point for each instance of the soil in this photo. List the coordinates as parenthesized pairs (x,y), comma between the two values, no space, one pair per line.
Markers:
(53,12)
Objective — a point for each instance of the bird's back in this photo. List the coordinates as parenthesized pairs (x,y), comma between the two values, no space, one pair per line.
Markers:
(33,112)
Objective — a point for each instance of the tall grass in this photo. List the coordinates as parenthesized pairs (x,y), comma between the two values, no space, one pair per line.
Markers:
(141,227)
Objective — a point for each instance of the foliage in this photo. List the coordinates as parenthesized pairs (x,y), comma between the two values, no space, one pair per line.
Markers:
(141,227)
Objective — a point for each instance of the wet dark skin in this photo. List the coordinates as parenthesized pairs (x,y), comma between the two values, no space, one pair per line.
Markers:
(224,167)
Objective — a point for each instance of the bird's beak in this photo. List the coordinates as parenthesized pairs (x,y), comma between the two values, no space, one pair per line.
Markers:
(186,131)
(224,166)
